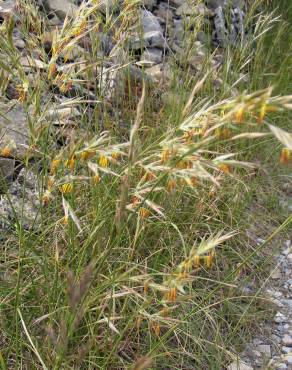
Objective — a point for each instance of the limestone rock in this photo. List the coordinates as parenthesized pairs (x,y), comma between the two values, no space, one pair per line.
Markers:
(14,129)
(239,366)
(60,7)
(152,34)
(153,55)
(20,203)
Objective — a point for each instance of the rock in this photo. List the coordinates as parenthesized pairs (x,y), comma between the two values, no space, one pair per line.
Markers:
(287,340)
(60,8)
(153,55)
(265,349)
(20,203)
(7,166)
(214,4)
(14,130)
(287,302)
(257,341)
(239,366)
(30,63)
(286,349)
(288,360)
(281,367)
(276,274)
(152,34)
(159,72)
(280,318)
(194,10)
(149,4)
(164,13)
(289,257)
(59,113)
(7,8)
(176,3)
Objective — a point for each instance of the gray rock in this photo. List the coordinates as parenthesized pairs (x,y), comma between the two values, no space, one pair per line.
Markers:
(265,349)
(281,367)
(176,3)
(153,55)
(6,170)
(14,130)
(287,350)
(20,203)
(287,340)
(194,10)
(288,360)
(159,72)
(239,365)
(151,32)
(149,4)
(287,302)
(280,318)
(276,274)
(60,7)
(7,8)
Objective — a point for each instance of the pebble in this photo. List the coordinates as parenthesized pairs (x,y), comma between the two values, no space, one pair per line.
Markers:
(280,318)
(265,349)
(239,366)
(286,349)
(281,367)
(287,340)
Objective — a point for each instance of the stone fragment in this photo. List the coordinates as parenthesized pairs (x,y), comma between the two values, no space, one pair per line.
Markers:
(281,367)
(287,302)
(287,350)
(153,55)
(61,8)
(159,72)
(176,3)
(14,130)
(193,10)
(239,366)
(287,340)
(151,32)
(265,349)
(20,203)
(288,360)
(7,166)
(30,63)
(280,318)
(276,274)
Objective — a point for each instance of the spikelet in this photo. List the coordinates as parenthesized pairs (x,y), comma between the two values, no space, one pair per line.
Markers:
(262,113)
(6,151)
(172,294)
(96,179)
(103,161)
(285,156)
(239,115)
(86,154)
(165,155)
(171,185)
(224,167)
(156,328)
(144,212)
(54,165)
(66,188)
(46,197)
